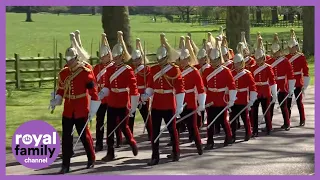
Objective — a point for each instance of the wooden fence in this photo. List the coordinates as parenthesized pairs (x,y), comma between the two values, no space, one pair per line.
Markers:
(38,77)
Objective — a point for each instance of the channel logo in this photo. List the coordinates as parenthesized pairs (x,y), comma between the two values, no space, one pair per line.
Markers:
(36,144)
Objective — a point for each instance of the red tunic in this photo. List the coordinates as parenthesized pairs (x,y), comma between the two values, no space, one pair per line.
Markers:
(250,64)
(164,86)
(100,75)
(193,85)
(202,68)
(283,72)
(139,74)
(218,85)
(264,79)
(300,67)
(73,87)
(244,84)
(122,83)
(229,64)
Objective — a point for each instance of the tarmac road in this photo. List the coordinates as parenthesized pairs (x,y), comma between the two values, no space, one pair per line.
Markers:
(281,153)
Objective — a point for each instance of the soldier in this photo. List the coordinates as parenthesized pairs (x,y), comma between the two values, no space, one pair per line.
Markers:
(265,83)
(226,53)
(142,72)
(165,84)
(75,82)
(248,60)
(246,89)
(218,80)
(300,68)
(194,92)
(201,66)
(100,70)
(83,54)
(120,84)
(285,80)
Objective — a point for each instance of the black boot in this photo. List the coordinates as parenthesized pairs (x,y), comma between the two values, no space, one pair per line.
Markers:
(174,156)
(199,149)
(90,164)
(302,123)
(227,141)
(110,155)
(287,128)
(209,146)
(134,149)
(153,161)
(98,148)
(64,170)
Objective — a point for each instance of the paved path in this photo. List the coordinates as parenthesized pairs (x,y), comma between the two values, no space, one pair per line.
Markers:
(281,153)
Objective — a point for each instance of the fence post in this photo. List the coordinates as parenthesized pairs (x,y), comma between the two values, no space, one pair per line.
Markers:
(282,44)
(60,60)
(267,46)
(39,73)
(17,68)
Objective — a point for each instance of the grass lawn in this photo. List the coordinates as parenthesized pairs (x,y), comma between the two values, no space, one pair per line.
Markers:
(29,39)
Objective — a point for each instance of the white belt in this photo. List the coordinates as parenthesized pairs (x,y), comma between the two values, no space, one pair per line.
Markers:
(217,90)
(242,89)
(100,85)
(262,83)
(280,77)
(297,73)
(189,91)
(162,91)
(116,90)
(141,87)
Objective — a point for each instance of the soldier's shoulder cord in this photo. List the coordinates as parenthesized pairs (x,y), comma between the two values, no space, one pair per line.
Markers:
(176,76)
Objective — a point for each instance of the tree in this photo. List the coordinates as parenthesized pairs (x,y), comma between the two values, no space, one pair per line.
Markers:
(116,18)
(185,11)
(308,30)
(58,9)
(94,10)
(29,14)
(258,14)
(274,12)
(237,21)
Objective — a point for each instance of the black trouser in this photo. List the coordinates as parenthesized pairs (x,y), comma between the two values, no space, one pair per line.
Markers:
(299,104)
(144,111)
(284,108)
(255,111)
(112,116)
(244,116)
(166,115)
(100,122)
(67,139)
(212,113)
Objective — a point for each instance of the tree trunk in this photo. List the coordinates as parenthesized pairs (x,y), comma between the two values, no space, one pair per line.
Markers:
(259,15)
(237,21)
(116,18)
(188,15)
(28,14)
(274,13)
(308,30)
(93,10)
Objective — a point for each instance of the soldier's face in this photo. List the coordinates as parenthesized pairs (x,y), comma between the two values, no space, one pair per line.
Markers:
(105,59)
(238,66)
(137,62)
(184,62)
(293,49)
(226,56)
(277,54)
(203,61)
(118,59)
(260,61)
(216,62)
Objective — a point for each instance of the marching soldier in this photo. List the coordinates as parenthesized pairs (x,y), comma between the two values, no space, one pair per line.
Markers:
(194,92)
(301,74)
(248,60)
(74,82)
(83,54)
(165,84)
(100,70)
(226,53)
(119,86)
(142,73)
(265,83)
(246,89)
(285,80)
(218,80)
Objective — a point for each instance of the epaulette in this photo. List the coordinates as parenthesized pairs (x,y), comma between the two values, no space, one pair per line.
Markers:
(246,70)
(64,68)
(86,69)
(174,64)
(128,67)
(300,53)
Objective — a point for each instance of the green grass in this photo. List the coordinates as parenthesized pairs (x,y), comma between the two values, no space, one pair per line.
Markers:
(29,39)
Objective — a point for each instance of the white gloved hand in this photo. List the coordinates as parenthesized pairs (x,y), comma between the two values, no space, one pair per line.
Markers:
(253,98)
(94,106)
(292,84)
(179,104)
(147,94)
(103,93)
(134,104)
(57,101)
(201,102)
(306,82)
(232,97)
(274,93)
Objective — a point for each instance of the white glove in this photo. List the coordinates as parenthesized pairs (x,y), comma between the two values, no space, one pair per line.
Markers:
(134,104)
(201,101)
(103,93)
(253,97)
(274,93)
(306,82)
(55,102)
(179,104)
(94,106)
(292,84)
(232,97)
(147,94)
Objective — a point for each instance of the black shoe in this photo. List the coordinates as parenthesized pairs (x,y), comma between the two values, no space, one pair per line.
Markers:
(268,132)
(209,146)
(255,134)
(287,128)
(170,143)
(64,170)
(174,157)
(200,149)
(90,164)
(117,145)
(227,142)
(247,138)
(190,139)
(233,140)
(302,123)
(134,149)
(108,157)
(153,162)
(283,126)
(98,148)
